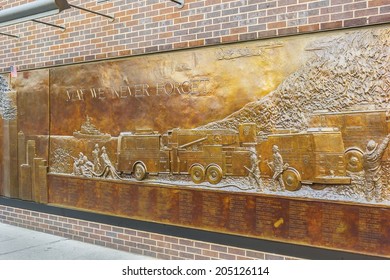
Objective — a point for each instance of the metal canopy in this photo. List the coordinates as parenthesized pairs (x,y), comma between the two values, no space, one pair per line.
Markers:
(31,11)
(43,8)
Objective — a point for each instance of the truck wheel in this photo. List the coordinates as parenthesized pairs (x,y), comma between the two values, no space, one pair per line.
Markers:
(214,174)
(353,159)
(291,179)
(197,174)
(139,171)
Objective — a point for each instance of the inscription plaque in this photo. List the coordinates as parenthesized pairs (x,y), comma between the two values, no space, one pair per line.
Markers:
(350,227)
(127,201)
(164,205)
(370,229)
(73,197)
(186,207)
(109,201)
(298,213)
(269,216)
(146,202)
(212,214)
(238,217)
(335,225)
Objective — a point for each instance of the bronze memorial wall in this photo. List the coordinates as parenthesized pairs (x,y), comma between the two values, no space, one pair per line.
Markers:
(283,139)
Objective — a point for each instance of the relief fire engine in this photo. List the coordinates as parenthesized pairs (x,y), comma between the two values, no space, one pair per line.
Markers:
(203,154)
(319,156)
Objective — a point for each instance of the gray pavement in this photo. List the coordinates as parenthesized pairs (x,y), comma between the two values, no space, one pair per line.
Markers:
(23,244)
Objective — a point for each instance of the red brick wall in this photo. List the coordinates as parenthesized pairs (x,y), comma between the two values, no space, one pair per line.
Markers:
(135,241)
(147,26)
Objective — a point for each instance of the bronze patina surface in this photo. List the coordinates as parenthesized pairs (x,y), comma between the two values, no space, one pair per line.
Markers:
(284,139)
(253,116)
(341,226)
(183,89)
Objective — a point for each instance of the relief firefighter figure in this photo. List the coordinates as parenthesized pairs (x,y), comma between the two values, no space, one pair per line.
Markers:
(77,164)
(82,166)
(96,160)
(373,168)
(277,166)
(109,170)
(254,171)
(105,158)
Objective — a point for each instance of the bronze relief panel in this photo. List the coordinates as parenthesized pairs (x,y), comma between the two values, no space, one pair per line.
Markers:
(283,139)
(301,116)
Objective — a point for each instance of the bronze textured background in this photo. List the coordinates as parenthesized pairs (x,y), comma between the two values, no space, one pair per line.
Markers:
(350,227)
(183,89)
(33,108)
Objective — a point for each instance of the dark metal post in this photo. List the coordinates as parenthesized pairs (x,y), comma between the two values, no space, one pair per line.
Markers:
(93,12)
(49,24)
(9,35)
(180,3)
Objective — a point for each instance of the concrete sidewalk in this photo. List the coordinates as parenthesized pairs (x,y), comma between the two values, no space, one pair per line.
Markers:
(23,244)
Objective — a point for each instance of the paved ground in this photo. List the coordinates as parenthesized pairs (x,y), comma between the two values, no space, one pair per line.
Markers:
(23,244)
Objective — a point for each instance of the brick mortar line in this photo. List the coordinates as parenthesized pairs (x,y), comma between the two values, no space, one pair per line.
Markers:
(247,13)
(135,51)
(74,234)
